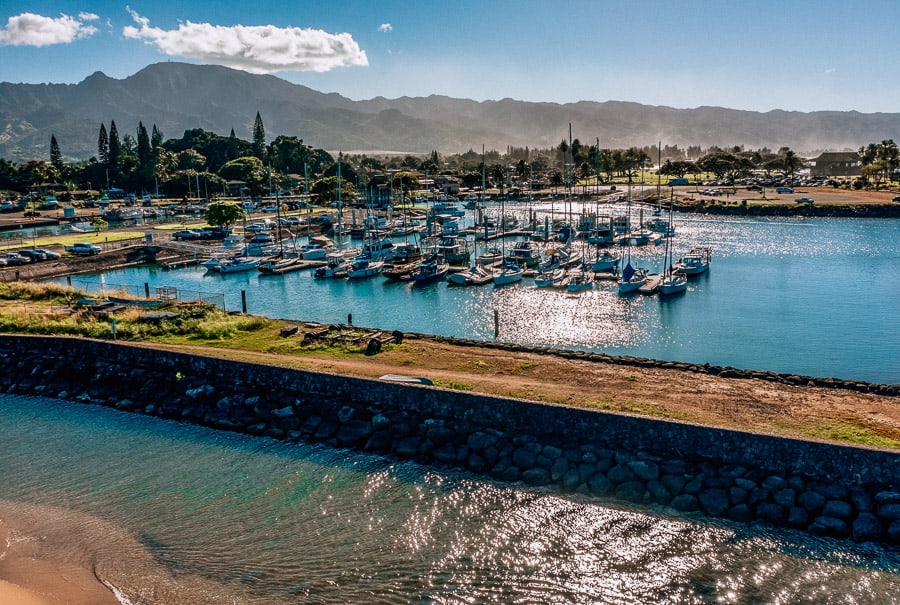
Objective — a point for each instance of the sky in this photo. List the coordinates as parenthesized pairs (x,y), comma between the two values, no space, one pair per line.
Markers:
(803,55)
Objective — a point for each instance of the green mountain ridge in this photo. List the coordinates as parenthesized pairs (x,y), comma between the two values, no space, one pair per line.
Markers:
(180,96)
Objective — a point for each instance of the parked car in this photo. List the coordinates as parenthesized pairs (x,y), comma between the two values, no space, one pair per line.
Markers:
(186,234)
(48,254)
(754,188)
(804,200)
(784,190)
(84,249)
(33,255)
(214,233)
(32,214)
(7,206)
(896,198)
(14,259)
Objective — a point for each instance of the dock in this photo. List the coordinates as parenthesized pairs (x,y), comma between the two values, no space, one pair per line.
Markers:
(298,266)
(651,285)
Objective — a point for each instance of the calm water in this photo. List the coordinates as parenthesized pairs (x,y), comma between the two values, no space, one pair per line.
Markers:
(170,513)
(809,296)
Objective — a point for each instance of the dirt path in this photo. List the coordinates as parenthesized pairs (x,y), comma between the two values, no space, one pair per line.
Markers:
(746,404)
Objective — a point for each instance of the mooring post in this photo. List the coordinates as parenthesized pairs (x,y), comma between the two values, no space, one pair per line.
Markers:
(496,324)
(146,290)
(243,301)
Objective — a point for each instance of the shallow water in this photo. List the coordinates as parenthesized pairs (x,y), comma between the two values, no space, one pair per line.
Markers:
(808,296)
(175,513)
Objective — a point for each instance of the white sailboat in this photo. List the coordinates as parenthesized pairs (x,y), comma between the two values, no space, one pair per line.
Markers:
(673,281)
(509,272)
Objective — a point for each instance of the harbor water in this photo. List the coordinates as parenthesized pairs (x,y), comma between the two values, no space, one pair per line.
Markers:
(169,513)
(810,296)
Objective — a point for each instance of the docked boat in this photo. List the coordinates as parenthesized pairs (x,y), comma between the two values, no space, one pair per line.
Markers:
(524,253)
(580,281)
(448,207)
(605,261)
(550,278)
(490,256)
(364,266)
(430,270)
(695,262)
(509,273)
(661,225)
(672,282)
(378,246)
(238,264)
(336,267)
(279,264)
(475,275)
(632,279)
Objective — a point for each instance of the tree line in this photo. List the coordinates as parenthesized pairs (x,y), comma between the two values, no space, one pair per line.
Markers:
(202,164)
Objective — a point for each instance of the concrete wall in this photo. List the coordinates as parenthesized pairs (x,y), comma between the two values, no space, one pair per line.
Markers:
(831,490)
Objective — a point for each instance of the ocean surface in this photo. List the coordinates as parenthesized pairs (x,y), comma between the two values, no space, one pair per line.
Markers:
(169,513)
(812,296)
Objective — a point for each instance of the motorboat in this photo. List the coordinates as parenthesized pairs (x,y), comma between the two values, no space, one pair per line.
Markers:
(364,266)
(238,264)
(336,267)
(605,261)
(473,276)
(509,273)
(695,262)
(430,270)
(524,253)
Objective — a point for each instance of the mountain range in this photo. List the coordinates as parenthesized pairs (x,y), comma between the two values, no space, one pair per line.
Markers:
(179,96)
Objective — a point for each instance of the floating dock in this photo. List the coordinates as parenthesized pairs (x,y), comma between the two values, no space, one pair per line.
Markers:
(651,285)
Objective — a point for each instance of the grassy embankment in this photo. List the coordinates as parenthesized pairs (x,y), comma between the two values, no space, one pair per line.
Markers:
(51,310)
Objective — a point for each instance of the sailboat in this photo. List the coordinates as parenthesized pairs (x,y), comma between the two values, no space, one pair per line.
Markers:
(632,278)
(509,272)
(672,282)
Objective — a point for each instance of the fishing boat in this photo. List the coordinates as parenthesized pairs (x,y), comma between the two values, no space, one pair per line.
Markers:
(524,253)
(695,262)
(336,267)
(605,261)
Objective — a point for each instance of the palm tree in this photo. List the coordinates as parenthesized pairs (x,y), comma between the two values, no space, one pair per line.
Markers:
(791,162)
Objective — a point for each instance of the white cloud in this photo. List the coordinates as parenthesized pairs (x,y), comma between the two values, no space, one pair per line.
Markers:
(29,29)
(257,49)
(385,27)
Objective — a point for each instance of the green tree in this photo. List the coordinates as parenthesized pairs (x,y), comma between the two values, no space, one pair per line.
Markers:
(156,138)
(224,214)
(103,145)
(325,190)
(115,146)
(249,169)
(55,154)
(144,150)
(259,138)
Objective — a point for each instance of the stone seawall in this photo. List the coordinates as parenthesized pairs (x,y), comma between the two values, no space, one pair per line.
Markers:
(838,491)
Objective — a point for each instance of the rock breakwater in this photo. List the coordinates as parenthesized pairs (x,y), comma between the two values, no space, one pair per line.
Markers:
(829,490)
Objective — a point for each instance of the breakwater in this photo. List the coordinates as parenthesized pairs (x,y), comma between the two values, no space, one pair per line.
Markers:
(838,491)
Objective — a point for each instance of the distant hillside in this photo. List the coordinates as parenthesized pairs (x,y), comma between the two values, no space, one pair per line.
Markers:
(179,96)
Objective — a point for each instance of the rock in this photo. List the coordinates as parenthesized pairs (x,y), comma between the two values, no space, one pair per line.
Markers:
(620,473)
(685,503)
(284,412)
(798,517)
(345,414)
(784,497)
(536,476)
(571,480)
(740,513)
(773,483)
(633,491)
(326,429)
(646,471)
(479,440)
(380,422)
(476,463)
(890,511)
(673,483)
(838,509)
(445,453)
(552,452)
(886,497)
(892,534)
(811,501)
(559,469)
(866,528)
(768,511)
(407,447)
(599,485)
(736,495)
(659,492)
(744,483)
(524,457)
(861,500)
(353,431)
(440,434)
(694,485)
(714,501)
(829,526)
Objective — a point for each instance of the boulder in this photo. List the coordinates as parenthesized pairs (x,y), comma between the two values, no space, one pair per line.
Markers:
(714,501)
(866,528)
(838,509)
(645,470)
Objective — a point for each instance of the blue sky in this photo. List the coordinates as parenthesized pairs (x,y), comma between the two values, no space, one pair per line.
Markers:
(755,55)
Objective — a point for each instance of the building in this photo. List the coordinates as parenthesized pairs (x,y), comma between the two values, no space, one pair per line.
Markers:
(836,163)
